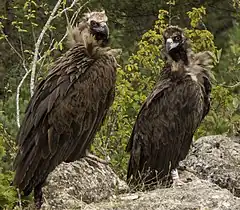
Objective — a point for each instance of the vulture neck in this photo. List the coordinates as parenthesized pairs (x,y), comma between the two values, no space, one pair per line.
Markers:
(177,63)
(180,55)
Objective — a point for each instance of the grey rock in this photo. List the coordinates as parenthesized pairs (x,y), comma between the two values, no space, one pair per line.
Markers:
(194,194)
(79,183)
(216,158)
(212,165)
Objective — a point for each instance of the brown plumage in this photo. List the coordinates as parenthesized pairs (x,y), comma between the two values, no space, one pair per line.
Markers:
(68,106)
(166,123)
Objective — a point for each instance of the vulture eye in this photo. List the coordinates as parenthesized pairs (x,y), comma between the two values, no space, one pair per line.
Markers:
(94,23)
(177,38)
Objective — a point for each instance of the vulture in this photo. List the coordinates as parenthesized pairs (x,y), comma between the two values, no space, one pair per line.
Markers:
(68,107)
(165,125)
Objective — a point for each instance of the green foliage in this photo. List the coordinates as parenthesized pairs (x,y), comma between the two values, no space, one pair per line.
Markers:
(224,114)
(228,70)
(8,195)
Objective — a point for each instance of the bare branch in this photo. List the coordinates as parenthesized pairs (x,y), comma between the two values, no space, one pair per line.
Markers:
(18,95)
(76,13)
(35,58)
(21,47)
(19,199)
(42,58)
(231,86)
(70,7)
(23,79)
(40,38)
(235,86)
(12,47)
(72,20)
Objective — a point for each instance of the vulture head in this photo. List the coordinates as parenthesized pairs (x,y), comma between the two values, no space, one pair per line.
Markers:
(92,29)
(97,23)
(175,43)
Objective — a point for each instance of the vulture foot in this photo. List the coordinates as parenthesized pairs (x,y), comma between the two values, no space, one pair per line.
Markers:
(175,177)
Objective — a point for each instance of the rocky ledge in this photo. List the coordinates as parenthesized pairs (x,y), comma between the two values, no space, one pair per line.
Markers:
(211,180)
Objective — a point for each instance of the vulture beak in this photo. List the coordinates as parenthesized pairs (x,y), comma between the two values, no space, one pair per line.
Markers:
(170,44)
(102,30)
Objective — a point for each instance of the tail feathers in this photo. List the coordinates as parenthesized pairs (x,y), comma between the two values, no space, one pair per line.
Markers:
(133,173)
(25,169)
(130,169)
(134,161)
(147,170)
(28,190)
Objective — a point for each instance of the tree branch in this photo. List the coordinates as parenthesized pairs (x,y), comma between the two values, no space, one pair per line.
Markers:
(18,95)
(12,47)
(23,79)
(71,22)
(40,38)
(233,87)
(68,8)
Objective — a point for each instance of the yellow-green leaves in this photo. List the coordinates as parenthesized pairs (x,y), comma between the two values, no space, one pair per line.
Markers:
(196,16)
(223,117)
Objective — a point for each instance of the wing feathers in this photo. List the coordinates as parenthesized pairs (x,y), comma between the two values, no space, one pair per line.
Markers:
(63,115)
(53,140)
(164,127)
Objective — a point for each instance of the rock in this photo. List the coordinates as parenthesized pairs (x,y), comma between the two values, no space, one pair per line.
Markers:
(194,194)
(81,182)
(216,158)
(92,185)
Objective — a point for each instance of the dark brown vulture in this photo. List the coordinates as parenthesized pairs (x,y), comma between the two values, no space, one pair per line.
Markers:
(68,107)
(166,123)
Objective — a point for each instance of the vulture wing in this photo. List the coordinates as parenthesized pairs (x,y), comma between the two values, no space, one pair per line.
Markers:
(63,115)
(164,128)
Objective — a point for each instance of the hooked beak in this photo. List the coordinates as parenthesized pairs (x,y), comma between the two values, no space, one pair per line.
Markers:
(170,44)
(102,30)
